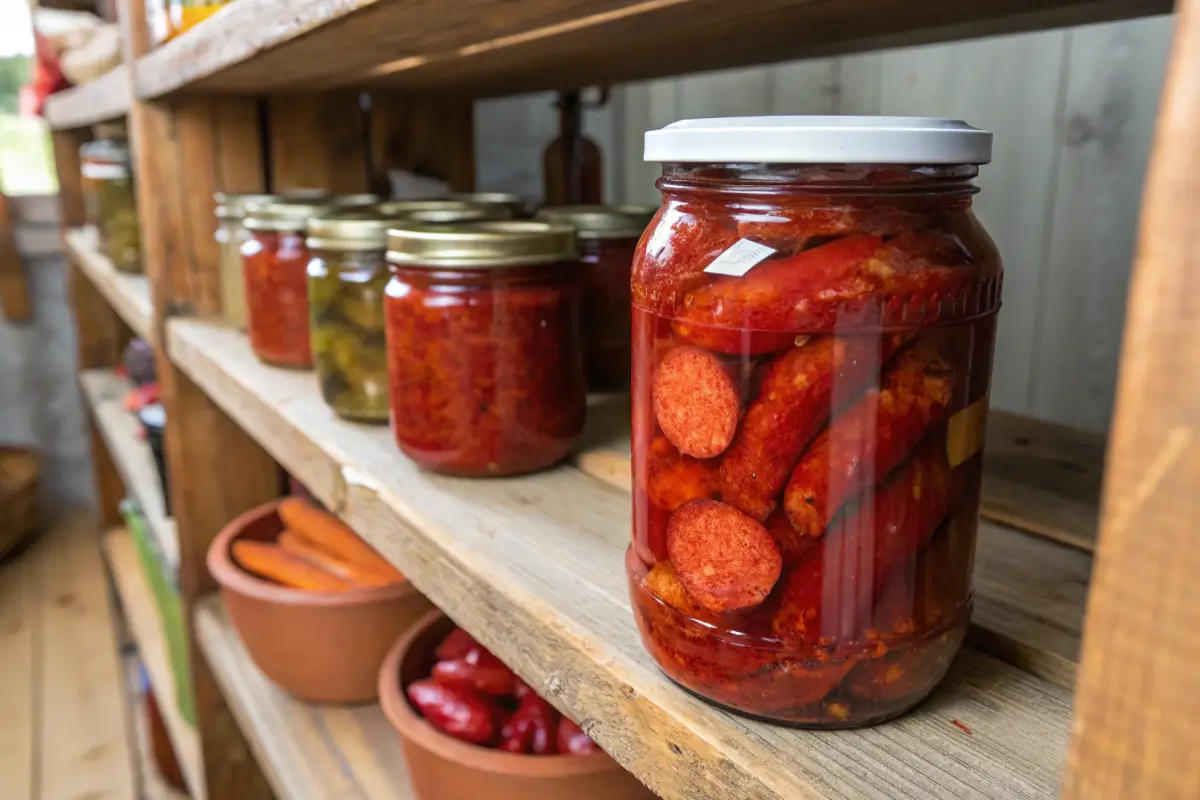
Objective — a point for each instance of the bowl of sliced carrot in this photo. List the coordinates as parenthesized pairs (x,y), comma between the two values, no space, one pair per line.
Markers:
(316,606)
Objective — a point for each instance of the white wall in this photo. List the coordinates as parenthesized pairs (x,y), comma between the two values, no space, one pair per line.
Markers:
(1073,113)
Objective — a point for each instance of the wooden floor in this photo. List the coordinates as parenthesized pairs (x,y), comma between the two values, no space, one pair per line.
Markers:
(66,730)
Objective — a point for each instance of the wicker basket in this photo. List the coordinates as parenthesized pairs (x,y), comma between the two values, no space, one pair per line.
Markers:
(18,496)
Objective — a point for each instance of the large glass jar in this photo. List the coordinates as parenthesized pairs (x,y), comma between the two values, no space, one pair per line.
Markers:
(231,234)
(109,198)
(607,238)
(346,278)
(814,317)
(484,347)
(275,266)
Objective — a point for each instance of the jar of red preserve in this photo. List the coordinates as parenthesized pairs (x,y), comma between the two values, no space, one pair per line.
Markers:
(813,323)
(608,235)
(484,350)
(275,268)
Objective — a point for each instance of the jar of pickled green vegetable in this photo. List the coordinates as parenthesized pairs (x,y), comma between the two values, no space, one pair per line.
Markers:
(109,199)
(347,273)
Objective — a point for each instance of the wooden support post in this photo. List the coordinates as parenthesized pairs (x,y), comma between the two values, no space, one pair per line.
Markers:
(186,150)
(1137,705)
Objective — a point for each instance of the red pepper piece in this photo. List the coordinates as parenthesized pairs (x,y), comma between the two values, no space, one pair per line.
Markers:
(542,720)
(793,547)
(572,739)
(696,401)
(724,559)
(663,582)
(827,598)
(516,734)
(456,645)
(673,479)
(862,445)
(784,294)
(792,228)
(794,401)
(460,713)
(478,670)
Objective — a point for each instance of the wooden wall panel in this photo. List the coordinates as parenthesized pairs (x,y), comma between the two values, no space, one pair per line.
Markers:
(317,142)
(432,137)
(1113,76)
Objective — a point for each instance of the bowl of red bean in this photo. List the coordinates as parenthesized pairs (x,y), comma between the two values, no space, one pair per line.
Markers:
(470,727)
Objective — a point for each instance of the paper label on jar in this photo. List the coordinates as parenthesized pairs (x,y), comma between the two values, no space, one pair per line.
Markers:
(740,258)
(964,437)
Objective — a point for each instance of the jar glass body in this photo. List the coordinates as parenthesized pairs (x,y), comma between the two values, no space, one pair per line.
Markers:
(110,203)
(606,311)
(345,301)
(231,234)
(807,433)
(485,366)
(275,265)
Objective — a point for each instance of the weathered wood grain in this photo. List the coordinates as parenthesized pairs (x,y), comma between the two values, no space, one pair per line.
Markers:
(105,98)
(497,48)
(534,567)
(309,752)
(128,295)
(1136,723)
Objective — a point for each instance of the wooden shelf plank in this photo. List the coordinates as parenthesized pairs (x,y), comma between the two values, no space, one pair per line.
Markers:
(504,47)
(534,567)
(104,393)
(129,295)
(1037,476)
(104,98)
(307,752)
(142,615)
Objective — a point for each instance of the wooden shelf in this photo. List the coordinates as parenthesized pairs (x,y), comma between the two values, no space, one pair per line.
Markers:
(105,393)
(307,752)
(129,295)
(534,567)
(503,47)
(142,615)
(104,98)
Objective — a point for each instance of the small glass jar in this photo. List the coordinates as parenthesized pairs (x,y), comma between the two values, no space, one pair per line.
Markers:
(608,236)
(484,348)
(505,205)
(275,266)
(231,234)
(109,197)
(813,324)
(346,278)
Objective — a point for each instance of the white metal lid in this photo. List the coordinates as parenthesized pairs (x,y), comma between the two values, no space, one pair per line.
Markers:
(820,140)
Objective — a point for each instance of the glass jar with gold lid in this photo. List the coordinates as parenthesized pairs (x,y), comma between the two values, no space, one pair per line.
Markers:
(484,352)
(110,202)
(506,205)
(347,273)
(275,264)
(231,234)
(608,237)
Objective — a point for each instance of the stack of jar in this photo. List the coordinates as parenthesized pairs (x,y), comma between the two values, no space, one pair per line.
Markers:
(108,196)
(478,335)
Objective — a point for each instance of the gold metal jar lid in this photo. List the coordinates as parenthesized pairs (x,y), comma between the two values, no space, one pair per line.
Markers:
(496,243)
(511,203)
(364,199)
(287,213)
(236,205)
(601,222)
(364,228)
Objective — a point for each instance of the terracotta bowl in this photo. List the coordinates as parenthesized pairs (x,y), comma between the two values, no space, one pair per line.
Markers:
(441,766)
(319,647)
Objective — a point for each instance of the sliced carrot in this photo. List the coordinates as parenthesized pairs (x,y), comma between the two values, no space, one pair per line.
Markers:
(270,561)
(348,571)
(333,536)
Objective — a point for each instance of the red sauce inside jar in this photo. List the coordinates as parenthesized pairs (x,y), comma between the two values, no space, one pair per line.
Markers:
(484,358)
(807,435)
(276,265)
